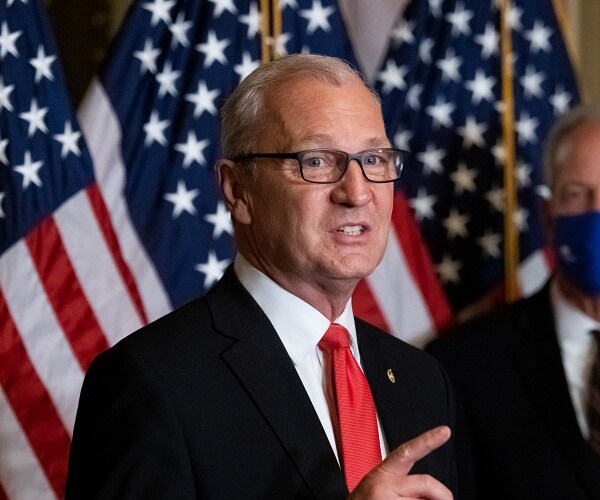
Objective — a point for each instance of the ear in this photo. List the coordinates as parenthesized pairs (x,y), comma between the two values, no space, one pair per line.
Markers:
(233,183)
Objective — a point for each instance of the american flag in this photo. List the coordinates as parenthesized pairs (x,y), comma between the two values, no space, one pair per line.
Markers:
(181,60)
(95,244)
(441,89)
(50,324)
(152,128)
(89,254)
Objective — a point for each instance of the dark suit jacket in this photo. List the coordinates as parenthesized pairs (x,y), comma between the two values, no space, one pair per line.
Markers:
(519,437)
(206,403)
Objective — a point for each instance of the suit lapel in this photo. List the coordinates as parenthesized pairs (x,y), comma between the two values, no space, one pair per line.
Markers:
(263,367)
(538,358)
(398,420)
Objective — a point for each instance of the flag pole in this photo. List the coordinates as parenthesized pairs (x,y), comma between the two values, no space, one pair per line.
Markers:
(511,241)
(270,27)
(277,26)
(265,30)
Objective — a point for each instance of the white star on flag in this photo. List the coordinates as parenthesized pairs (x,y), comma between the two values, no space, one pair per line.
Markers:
(403,32)
(526,126)
(402,139)
(213,49)
(539,37)
(221,219)
(495,198)
(29,170)
(192,149)
(166,80)
(560,100)
(8,41)
(464,179)
(252,20)
(160,10)
(481,86)
(520,218)
(154,129)
(532,82)
(213,269)
(35,118)
(425,50)
(279,42)
(413,96)
(5,91)
(490,243)
(392,77)
(459,19)
(456,224)
(472,133)
(179,31)
(247,66)
(431,159)
(3,158)
(147,57)
(182,199)
(203,99)
(450,66)
(489,41)
(317,17)
(440,112)
(222,6)
(42,63)
(423,205)
(69,139)
(448,270)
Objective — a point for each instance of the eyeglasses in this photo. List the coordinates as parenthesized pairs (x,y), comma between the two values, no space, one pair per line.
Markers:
(326,166)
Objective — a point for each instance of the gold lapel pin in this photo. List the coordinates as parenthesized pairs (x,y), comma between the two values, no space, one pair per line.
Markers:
(391,376)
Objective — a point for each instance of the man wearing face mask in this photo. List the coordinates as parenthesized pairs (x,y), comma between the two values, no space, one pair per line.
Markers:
(527,376)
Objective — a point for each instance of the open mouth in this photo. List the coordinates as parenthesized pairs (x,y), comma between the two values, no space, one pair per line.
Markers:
(351,230)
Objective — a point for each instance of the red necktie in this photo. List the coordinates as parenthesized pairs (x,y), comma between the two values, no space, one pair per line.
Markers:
(357,436)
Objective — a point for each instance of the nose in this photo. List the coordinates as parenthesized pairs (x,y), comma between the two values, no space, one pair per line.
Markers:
(352,189)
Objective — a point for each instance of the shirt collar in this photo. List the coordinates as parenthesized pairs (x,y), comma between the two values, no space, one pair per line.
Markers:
(572,324)
(299,325)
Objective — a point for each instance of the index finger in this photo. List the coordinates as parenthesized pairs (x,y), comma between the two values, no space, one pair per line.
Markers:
(401,460)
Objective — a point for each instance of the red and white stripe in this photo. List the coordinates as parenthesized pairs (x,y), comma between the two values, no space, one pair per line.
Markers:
(102,131)
(403,295)
(78,283)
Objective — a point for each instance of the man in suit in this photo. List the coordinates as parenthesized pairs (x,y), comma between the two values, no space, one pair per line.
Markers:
(234,395)
(523,374)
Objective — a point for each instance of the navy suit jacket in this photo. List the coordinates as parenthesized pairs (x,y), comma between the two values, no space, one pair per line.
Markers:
(206,403)
(518,434)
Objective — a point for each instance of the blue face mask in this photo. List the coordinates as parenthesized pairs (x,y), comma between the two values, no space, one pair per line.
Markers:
(577,245)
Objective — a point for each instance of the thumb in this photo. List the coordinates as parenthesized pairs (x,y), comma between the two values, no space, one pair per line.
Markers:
(401,460)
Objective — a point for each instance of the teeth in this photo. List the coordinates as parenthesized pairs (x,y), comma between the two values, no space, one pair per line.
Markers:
(354,230)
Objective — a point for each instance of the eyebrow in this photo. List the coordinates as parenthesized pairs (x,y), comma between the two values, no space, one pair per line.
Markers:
(375,142)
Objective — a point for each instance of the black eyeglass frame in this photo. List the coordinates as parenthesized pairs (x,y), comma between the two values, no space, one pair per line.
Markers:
(299,156)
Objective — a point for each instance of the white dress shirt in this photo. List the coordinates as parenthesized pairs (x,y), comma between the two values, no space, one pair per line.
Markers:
(578,349)
(300,327)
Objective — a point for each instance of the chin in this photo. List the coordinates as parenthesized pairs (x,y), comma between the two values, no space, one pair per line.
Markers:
(357,272)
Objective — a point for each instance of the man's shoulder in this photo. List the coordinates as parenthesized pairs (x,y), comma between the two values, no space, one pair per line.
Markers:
(489,334)
(394,347)
(178,331)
